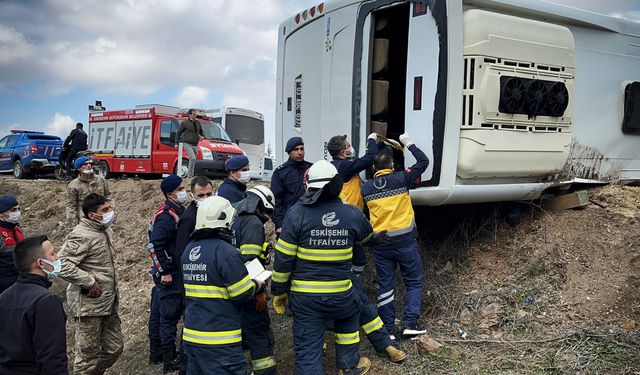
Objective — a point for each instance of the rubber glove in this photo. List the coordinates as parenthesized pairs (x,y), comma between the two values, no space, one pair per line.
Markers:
(280,302)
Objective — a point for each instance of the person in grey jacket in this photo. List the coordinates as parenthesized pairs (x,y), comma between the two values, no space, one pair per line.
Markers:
(190,133)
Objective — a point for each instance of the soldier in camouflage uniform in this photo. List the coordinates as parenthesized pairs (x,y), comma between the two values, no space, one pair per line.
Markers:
(86,182)
(89,265)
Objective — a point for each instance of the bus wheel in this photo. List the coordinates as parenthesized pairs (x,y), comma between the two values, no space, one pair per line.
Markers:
(184,170)
(102,169)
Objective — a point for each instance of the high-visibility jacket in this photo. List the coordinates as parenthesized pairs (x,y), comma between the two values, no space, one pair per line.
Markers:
(248,227)
(315,249)
(214,277)
(349,169)
(389,203)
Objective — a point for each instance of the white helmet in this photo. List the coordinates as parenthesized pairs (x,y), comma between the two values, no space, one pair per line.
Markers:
(215,212)
(265,194)
(320,173)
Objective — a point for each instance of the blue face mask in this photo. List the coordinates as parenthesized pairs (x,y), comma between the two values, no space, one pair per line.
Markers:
(57,267)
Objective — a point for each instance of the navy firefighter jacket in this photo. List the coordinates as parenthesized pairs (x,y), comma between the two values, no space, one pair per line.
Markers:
(163,229)
(315,249)
(214,277)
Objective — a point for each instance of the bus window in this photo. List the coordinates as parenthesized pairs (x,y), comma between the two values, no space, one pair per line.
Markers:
(247,130)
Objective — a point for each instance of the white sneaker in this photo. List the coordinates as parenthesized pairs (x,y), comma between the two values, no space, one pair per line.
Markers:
(417,330)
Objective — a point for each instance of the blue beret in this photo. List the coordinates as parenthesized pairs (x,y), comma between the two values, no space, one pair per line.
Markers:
(170,183)
(236,162)
(7,201)
(293,143)
(81,160)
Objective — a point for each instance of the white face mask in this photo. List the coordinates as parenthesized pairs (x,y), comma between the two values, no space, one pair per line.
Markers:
(182,197)
(57,267)
(245,177)
(87,172)
(14,217)
(108,218)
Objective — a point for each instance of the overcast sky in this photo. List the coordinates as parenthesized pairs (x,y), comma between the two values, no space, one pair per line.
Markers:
(58,56)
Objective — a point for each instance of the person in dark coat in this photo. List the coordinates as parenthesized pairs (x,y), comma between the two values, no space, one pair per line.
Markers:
(201,189)
(287,180)
(233,187)
(32,319)
(10,235)
(76,141)
(166,295)
(250,238)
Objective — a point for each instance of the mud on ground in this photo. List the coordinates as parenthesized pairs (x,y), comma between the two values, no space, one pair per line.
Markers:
(557,294)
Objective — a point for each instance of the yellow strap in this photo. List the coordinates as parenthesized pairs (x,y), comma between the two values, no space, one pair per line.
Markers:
(240,287)
(212,337)
(325,255)
(280,277)
(286,248)
(263,363)
(307,286)
(347,338)
(205,291)
(373,325)
(250,249)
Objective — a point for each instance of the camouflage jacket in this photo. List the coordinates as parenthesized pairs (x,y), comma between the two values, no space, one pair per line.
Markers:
(88,256)
(76,192)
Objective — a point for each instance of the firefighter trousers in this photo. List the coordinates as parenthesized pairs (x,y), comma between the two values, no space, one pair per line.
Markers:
(215,359)
(258,337)
(387,260)
(310,311)
(165,313)
(369,320)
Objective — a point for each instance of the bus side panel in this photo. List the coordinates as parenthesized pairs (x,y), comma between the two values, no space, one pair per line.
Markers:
(604,63)
(301,88)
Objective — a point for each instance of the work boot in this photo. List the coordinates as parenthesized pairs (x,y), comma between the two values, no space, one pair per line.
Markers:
(155,353)
(395,355)
(170,362)
(362,368)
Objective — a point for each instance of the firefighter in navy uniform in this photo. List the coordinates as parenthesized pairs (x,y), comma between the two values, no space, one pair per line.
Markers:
(253,212)
(215,278)
(389,203)
(166,295)
(312,267)
(349,167)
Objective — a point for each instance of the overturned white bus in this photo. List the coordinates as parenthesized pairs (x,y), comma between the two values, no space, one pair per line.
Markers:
(507,98)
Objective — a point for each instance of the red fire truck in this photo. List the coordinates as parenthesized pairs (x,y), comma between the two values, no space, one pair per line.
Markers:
(142,141)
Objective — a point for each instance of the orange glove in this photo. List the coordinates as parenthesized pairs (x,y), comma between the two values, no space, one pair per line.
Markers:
(261,302)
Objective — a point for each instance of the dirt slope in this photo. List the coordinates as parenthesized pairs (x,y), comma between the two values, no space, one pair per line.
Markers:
(557,294)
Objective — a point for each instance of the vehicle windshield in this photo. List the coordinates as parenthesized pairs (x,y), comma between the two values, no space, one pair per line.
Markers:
(214,131)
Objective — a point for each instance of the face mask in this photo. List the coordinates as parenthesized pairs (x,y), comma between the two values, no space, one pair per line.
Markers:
(14,217)
(182,197)
(245,177)
(86,172)
(108,218)
(57,266)
(350,152)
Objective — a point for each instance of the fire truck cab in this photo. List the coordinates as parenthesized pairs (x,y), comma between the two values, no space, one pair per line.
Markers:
(143,141)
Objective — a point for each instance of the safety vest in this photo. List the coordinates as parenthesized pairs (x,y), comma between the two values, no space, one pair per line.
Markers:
(351,192)
(390,209)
